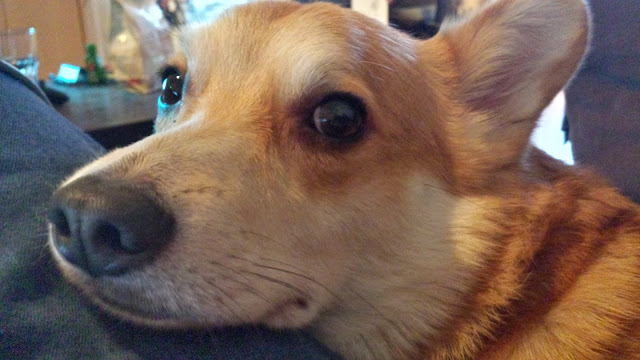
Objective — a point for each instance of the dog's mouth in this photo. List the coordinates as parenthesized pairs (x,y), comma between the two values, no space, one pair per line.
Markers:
(142,316)
(147,316)
(123,295)
(147,298)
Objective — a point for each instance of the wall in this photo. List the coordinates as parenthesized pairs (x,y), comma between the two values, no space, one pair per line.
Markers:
(58,28)
(3,16)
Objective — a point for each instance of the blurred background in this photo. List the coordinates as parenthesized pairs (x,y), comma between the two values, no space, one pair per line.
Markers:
(65,27)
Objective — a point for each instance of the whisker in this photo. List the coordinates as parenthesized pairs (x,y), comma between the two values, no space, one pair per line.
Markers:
(376,311)
(245,284)
(379,313)
(306,277)
(251,290)
(384,336)
(281,263)
(249,232)
(368,346)
(235,314)
(302,276)
(276,281)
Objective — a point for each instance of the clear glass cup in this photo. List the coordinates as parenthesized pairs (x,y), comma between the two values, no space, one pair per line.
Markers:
(19,48)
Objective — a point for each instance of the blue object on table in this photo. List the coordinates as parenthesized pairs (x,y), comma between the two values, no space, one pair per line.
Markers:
(68,74)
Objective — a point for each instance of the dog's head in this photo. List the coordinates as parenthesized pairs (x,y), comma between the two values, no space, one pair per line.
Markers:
(309,169)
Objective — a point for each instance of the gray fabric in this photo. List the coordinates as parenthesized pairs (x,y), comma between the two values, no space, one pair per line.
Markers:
(603,101)
(41,317)
(14,73)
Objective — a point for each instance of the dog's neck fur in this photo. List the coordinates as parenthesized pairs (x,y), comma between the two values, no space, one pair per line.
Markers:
(538,241)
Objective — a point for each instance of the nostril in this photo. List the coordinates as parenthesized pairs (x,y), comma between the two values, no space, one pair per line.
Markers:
(62,235)
(109,236)
(59,220)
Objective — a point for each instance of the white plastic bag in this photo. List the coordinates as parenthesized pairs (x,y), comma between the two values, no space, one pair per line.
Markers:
(140,43)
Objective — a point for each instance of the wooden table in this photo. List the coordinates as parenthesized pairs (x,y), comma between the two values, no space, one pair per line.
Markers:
(111,114)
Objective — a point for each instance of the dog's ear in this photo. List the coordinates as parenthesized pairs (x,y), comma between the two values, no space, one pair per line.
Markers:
(510,59)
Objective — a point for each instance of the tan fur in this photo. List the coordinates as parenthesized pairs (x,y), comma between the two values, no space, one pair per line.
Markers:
(440,234)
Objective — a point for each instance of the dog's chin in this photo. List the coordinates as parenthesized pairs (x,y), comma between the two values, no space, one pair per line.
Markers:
(123,304)
(127,308)
(292,313)
(156,320)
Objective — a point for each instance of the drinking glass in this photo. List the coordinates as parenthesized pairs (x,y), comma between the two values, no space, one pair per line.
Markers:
(18,47)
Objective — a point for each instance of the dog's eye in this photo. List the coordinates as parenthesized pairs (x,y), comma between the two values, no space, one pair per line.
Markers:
(172,84)
(339,116)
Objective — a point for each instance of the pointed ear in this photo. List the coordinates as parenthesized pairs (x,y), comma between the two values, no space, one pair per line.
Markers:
(510,58)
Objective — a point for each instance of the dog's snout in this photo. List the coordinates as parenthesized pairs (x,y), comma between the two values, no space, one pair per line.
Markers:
(108,227)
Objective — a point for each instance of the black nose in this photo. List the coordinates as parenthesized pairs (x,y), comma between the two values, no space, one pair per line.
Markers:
(108,227)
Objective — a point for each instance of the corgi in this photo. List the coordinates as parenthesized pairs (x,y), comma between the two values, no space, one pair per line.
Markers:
(314,169)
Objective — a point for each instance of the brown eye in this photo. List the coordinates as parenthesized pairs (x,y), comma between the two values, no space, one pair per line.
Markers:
(172,84)
(339,116)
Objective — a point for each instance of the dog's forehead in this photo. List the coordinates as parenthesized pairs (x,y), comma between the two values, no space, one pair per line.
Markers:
(273,35)
(299,43)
